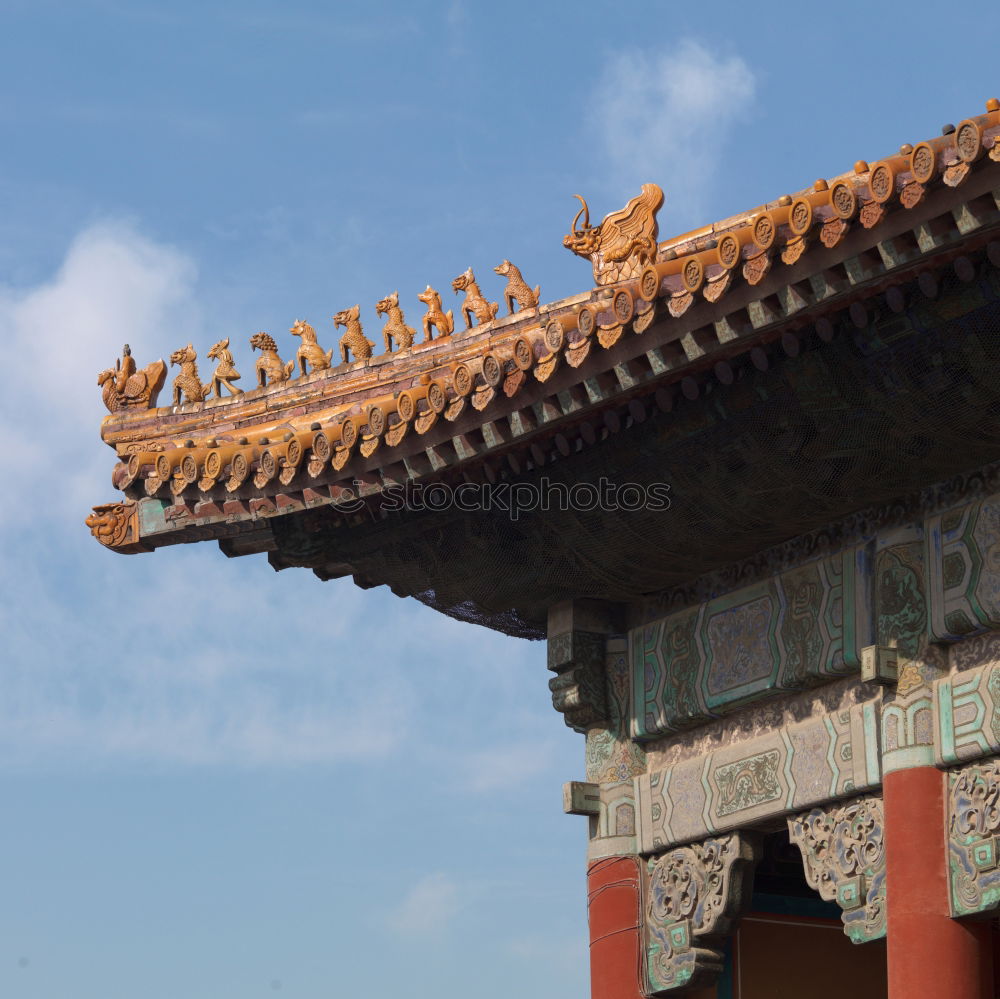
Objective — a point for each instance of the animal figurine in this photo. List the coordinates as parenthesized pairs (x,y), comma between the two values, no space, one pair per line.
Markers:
(474,304)
(225,373)
(517,289)
(624,243)
(354,340)
(187,382)
(395,327)
(443,322)
(310,351)
(270,367)
(123,387)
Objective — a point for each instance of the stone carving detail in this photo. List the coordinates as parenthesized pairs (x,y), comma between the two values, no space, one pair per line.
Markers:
(187,383)
(225,371)
(974,838)
(309,351)
(124,387)
(443,322)
(844,858)
(624,243)
(270,367)
(517,290)
(578,688)
(115,525)
(474,304)
(354,340)
(694,895)
(395,328)
(795,630)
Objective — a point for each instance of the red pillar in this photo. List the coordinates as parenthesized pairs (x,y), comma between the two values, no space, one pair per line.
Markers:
(613,905)
(931,955)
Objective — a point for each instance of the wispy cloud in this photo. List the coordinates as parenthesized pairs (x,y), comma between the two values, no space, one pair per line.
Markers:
(114,286)
(506,766)
(428,908)
(663,117)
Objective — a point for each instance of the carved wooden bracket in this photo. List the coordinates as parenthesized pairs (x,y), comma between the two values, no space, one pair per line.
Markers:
(843,853)
(974,838)
(694,894)
(578,688)
(578,632)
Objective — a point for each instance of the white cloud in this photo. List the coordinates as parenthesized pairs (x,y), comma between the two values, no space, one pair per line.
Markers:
(184,658)
(115,286)
(428,908)
(664,118)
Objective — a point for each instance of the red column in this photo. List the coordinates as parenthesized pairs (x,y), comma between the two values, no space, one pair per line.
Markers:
(614,909)
(931,955)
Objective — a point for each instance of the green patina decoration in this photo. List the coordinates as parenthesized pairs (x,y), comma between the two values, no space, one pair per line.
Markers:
(792,631)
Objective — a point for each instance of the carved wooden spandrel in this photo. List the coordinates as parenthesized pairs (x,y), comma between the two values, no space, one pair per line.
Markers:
(843,855)
(974,838)
(694,895)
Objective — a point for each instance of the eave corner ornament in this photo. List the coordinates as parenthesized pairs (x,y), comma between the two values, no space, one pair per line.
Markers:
(125,387)
(695,893)
(116,526)
(624,243)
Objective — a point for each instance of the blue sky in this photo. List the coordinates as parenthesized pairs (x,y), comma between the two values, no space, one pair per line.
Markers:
(219,781)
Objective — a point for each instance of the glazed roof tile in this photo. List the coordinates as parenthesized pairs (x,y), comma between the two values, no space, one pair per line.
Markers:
(538,379)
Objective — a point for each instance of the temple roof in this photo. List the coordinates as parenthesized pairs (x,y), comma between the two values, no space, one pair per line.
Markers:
(664,325)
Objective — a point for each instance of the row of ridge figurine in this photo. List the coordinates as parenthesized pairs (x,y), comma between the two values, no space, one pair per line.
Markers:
(126,387)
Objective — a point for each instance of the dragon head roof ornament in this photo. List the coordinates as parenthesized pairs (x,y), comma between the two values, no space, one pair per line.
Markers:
(624,243)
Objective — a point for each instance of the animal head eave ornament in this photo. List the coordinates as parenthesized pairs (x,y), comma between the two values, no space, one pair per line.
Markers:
(624,243)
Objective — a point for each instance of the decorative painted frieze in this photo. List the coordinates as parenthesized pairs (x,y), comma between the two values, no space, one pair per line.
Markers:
(612,755)
(963,570)
(899,591)
(694,894)
(787,770)
(794,630)
(967,715)
(843,853)
(908,723)
(974,838)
